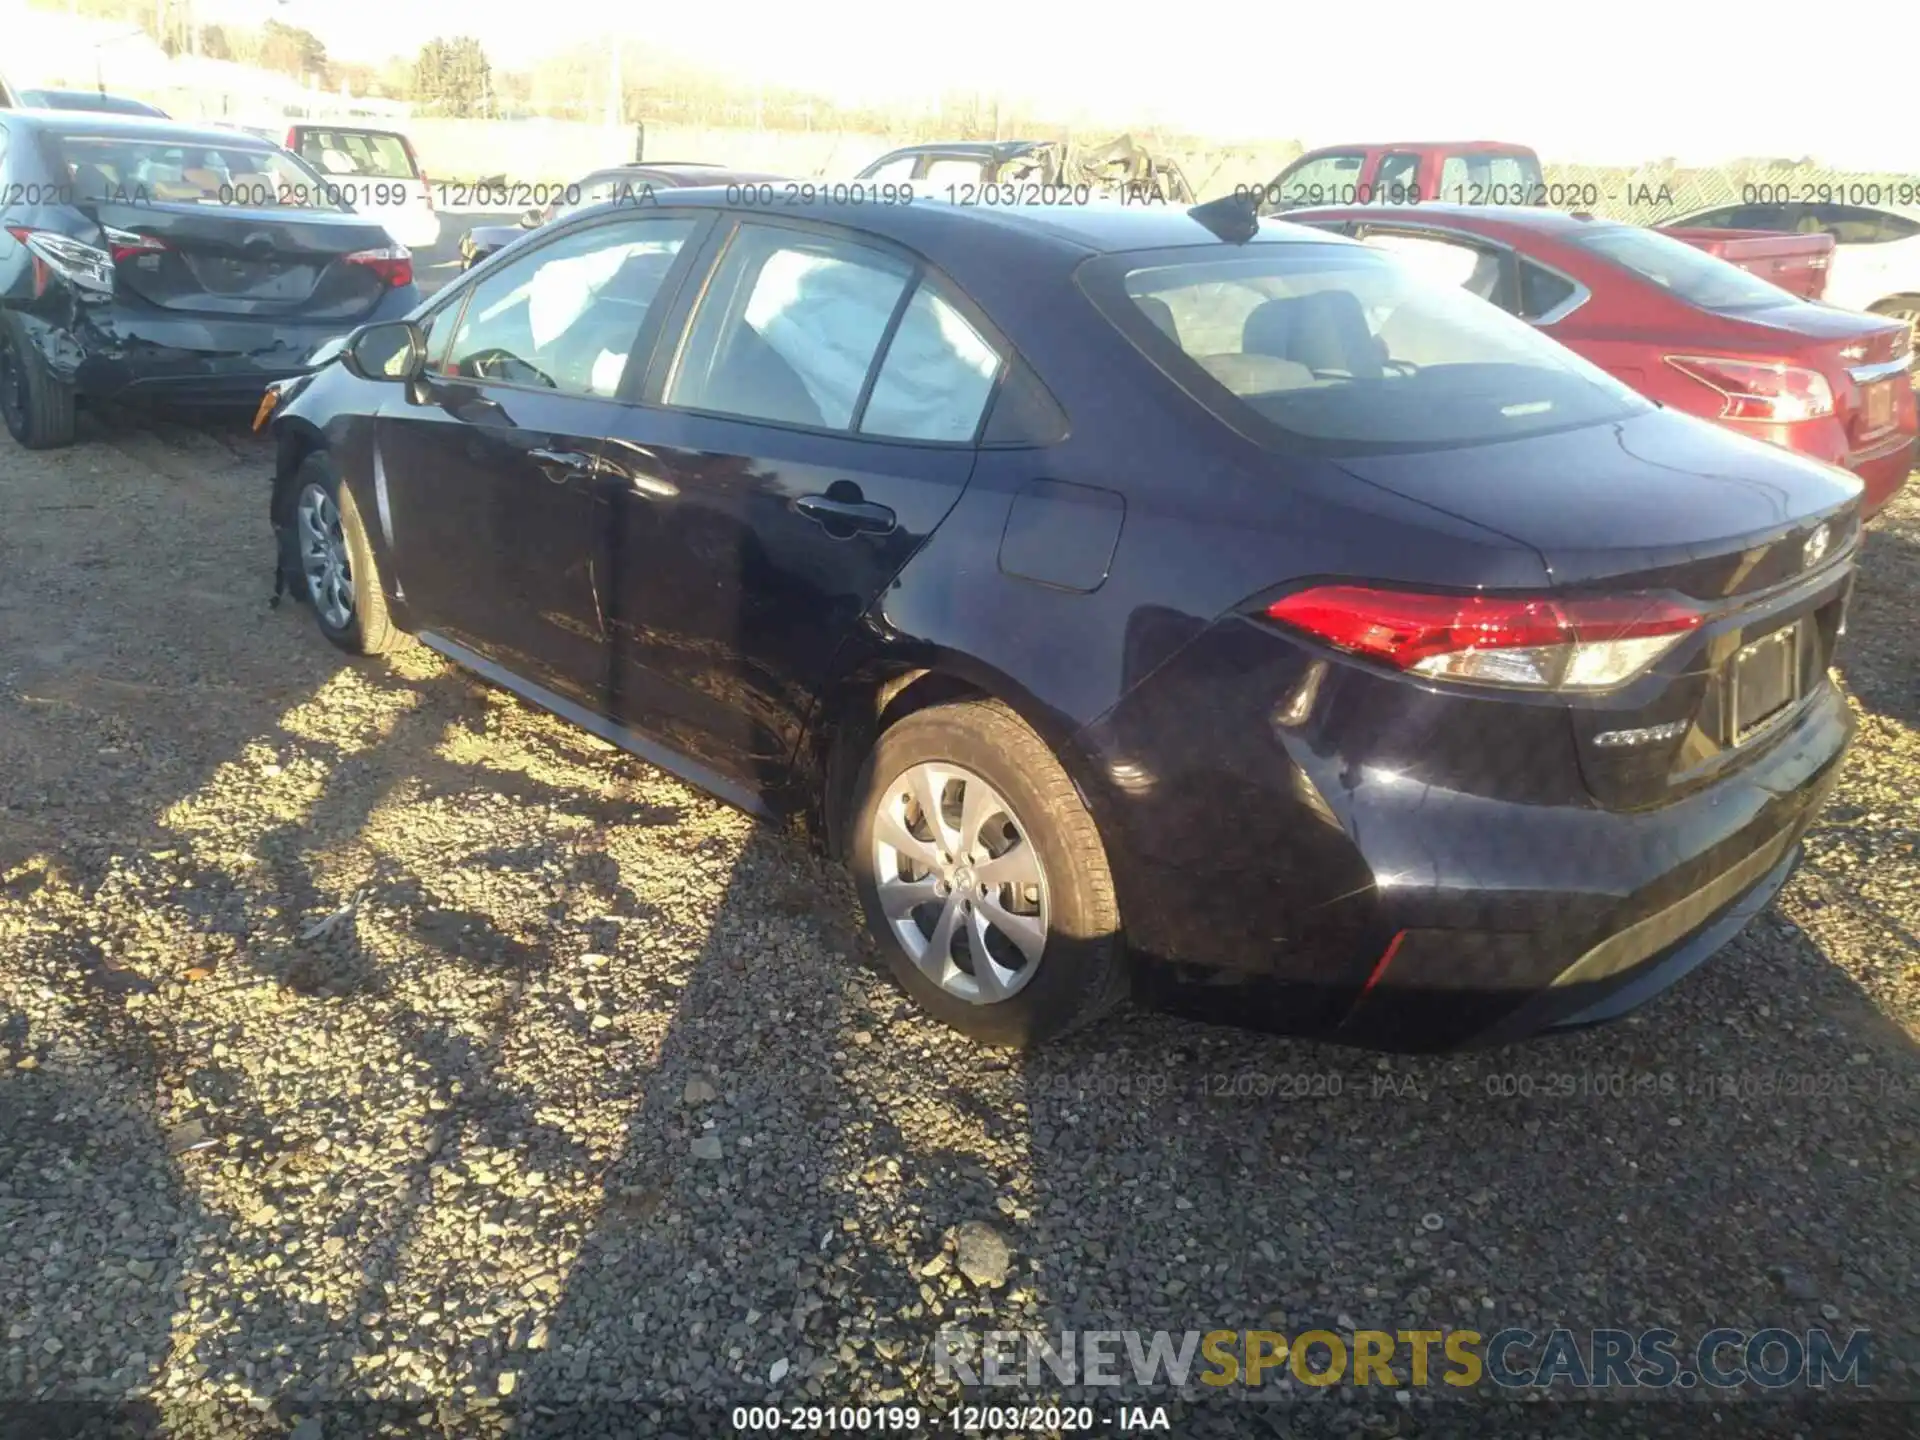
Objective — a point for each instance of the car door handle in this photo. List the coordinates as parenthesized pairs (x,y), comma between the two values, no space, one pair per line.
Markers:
(849,515)
(567,462)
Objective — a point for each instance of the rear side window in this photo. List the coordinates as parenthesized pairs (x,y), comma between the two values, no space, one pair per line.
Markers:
(1349,349)
(1490,180)
(371,153)
(1323,180)
(1689,273)
(789,328)
(1542,291)
(936,376)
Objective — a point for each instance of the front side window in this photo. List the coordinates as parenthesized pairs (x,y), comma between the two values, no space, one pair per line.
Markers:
(788,329)
(1685,270)
(898,168)
(566,316)
(1323,180)
(1349,349)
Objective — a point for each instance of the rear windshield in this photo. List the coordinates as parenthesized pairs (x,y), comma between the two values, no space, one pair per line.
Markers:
(1689,272)
(375,154)
(1349,348)
(129,170)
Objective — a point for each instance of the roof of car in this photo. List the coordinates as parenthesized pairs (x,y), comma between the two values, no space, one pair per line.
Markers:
(937,228)
(1505,146)
(134,127)
(968,147)
(31,98)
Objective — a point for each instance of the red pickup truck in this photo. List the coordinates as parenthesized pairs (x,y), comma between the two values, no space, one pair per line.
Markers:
(1493,172)
(1459,172)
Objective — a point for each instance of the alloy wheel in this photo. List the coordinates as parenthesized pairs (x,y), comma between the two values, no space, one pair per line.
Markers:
(323,556)
(960,882)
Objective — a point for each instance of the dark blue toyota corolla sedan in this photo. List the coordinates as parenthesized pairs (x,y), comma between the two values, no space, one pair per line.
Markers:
(1137,598)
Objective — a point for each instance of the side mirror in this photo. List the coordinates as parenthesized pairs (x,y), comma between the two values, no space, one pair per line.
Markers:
(530,219)
(390,350)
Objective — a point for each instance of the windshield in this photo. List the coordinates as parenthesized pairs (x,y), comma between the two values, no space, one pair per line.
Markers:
(1689,272)
(367,154)
(130,170)
(1351,346)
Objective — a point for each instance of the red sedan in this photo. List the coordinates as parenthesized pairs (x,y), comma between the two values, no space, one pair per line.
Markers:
(1678,325)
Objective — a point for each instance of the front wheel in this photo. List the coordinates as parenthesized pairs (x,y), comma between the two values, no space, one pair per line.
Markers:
(983,877)
(336,563)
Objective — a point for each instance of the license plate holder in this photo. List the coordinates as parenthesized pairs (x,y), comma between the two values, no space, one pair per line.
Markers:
(1763,681)
(1877,404)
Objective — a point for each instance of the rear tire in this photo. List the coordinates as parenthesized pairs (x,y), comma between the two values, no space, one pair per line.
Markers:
(337,570)
(1078,970)
(37,405)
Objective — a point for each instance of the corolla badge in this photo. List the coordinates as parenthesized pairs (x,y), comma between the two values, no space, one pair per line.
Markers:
(1815,550)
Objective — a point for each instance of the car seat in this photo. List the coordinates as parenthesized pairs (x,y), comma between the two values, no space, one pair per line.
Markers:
(1326,331)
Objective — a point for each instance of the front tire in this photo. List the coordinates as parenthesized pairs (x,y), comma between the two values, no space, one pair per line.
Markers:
(983,877)
(36,404)
(337,568)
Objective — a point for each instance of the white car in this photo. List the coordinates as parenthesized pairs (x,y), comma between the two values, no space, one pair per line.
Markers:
(378,174)
(1876,249)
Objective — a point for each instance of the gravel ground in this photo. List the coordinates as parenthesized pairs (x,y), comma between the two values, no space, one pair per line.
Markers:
(366,1036)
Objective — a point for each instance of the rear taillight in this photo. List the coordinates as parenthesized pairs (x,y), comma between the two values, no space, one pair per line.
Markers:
(1526,642)
(426,184)
(393,264)
(293,137)
(87,268)
(1754,390)
(127,245)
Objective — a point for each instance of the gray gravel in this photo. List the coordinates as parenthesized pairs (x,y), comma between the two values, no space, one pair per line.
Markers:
(368,1036)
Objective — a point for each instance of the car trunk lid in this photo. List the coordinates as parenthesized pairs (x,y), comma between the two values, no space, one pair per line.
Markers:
(1758,539)
(224,260)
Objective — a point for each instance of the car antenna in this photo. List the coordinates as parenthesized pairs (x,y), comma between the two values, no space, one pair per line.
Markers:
(1234,218)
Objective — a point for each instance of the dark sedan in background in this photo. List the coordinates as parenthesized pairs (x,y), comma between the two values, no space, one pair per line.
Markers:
(1135,596)
(146,258)
(634,184)
(95,101)
(1680,326)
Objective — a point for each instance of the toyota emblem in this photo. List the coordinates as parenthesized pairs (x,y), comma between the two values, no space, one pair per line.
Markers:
(1815,549)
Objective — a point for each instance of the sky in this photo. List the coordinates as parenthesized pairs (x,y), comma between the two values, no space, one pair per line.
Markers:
(1630,80)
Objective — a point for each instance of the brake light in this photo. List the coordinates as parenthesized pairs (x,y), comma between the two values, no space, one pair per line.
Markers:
(1525,642)
(392,263)
(293,136)
(1754,390)
(126,244)
(426,184)
(87,268)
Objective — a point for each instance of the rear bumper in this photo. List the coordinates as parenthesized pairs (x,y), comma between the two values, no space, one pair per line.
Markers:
(1883,470)
(118,352)
(1310,888)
